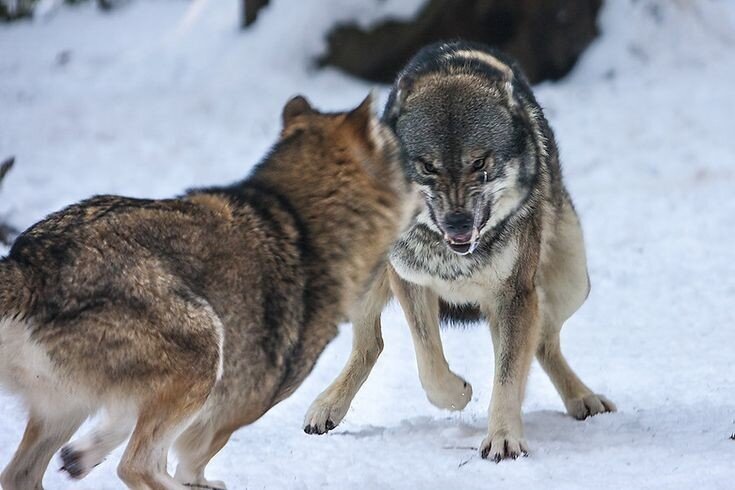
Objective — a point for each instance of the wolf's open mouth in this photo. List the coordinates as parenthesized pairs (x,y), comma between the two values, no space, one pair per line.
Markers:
(465,244)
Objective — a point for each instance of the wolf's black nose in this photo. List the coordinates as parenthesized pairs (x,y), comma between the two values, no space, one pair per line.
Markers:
(458,223)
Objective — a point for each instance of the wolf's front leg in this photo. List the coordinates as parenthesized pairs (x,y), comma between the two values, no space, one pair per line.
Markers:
(328,410)
(514,325)
(444,389)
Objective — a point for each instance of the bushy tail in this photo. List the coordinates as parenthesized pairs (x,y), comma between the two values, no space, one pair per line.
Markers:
(15,296)
(459,315)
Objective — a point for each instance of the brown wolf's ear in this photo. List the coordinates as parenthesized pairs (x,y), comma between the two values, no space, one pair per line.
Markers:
(374,143)
(360,118)
(297,106)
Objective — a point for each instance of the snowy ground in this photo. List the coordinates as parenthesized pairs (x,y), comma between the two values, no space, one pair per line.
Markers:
(161,96)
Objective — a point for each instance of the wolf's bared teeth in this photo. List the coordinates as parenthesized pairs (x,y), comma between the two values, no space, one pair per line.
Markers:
(474,240)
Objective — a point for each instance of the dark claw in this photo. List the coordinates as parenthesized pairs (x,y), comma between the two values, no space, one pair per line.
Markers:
(524,453)
(72,463)
(330,425)
(485,452)
(498,458)
(308,429)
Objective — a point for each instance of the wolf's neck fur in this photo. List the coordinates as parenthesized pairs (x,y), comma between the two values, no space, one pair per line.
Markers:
(336,219)
(347,220)
(349,217)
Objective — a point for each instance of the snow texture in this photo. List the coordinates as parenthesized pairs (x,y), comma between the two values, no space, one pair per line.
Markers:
(164,95)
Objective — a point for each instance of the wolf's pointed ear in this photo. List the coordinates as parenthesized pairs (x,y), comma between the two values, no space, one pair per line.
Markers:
(360,118)
(373,143)
(297,106)
(397,99)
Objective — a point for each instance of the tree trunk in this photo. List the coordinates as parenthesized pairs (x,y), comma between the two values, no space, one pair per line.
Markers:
(18,9)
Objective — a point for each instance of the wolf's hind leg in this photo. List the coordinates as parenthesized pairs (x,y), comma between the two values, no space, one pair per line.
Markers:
(443,388)
(44,435)
(565,284)
(161,418)
(330,407)
(83,454)
(195,447)
(579,400)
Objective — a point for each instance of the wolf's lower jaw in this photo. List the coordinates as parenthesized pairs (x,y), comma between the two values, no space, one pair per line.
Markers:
(459,248)
(464,248)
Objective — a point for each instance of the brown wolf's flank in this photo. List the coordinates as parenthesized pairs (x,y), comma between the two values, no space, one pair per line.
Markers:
(197,313)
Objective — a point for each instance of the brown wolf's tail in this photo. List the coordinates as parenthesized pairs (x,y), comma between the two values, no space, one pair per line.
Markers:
(15,297)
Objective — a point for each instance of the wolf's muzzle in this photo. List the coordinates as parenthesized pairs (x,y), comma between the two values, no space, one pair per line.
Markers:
(459,232)
(458,226)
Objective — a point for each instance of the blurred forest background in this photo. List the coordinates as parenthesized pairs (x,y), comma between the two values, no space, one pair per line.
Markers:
(546,37)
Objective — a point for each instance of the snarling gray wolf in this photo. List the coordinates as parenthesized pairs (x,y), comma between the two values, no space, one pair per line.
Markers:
(498,239)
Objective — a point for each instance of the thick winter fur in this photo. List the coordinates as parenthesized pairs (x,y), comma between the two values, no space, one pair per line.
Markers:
(185,319)
(498,239)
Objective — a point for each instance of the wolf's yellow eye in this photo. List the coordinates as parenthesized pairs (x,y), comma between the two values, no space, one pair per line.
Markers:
(479,164)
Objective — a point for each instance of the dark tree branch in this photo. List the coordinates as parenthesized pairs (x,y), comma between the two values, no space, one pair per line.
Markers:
(7,233)
(250,9)
(5,167)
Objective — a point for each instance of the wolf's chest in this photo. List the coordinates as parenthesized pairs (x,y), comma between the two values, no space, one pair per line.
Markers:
(421,257)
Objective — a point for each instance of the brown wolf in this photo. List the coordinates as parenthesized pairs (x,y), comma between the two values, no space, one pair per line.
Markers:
(185,319)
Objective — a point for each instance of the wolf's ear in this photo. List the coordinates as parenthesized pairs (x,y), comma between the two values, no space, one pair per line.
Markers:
(397,98)
(361,117)
(297,106)
(374,144)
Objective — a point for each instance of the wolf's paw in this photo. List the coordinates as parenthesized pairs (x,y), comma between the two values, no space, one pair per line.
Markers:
(324,415)
(196,480)
(589,405)
(75,462)
(450,392)
(502,445)
(202,484)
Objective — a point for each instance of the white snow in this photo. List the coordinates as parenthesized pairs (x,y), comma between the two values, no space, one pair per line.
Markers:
(164,95)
